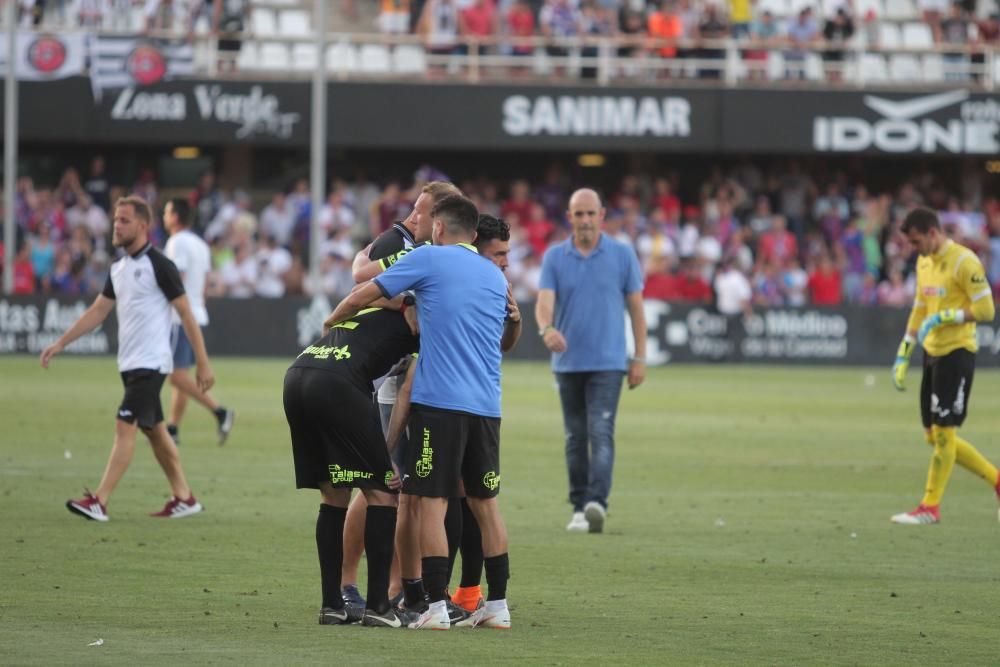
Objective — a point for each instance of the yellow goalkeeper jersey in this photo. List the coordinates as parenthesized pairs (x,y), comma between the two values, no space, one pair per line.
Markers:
(951,278)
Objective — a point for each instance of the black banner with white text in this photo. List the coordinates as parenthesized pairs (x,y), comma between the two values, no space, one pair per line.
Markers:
(676,333)
(400,116)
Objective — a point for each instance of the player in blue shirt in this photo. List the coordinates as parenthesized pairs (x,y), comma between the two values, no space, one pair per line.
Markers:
(455,415)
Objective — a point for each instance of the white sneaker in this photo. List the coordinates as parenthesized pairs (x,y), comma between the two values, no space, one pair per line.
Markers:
(494,614)
(594,513)
(435,618)
(578,524)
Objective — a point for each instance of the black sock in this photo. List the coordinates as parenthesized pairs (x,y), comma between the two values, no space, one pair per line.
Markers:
(380,529)
(173,430)
(435,569)
(330,545)
(471,547)
(453,531)
(220,413)
(497,574)
(413,593)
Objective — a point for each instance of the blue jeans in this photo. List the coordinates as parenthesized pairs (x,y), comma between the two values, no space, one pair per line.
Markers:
(589,405)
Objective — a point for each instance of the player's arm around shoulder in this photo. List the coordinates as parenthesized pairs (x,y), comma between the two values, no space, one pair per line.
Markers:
(88,321)
(360,297)
(364,268)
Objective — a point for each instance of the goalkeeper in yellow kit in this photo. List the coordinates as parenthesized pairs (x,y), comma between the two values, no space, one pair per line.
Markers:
(952,295)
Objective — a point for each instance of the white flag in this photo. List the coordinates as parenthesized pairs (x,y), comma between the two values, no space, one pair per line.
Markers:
(120,62)
(43,57)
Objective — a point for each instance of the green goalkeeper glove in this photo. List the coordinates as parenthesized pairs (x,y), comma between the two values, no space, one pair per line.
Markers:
(948,316)
(902,363)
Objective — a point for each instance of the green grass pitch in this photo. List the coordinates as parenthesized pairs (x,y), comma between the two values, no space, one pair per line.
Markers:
(748,526)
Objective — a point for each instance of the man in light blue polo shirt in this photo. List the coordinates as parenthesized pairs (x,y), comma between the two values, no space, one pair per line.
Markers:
(454,422)
(587,283)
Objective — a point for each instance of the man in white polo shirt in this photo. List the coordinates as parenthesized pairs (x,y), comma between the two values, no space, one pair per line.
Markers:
(193,259)
(144,287)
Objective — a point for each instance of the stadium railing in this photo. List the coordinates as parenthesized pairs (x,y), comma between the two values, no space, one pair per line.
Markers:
(904,55)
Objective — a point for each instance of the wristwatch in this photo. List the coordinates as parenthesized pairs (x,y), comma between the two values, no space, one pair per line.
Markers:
(545,330)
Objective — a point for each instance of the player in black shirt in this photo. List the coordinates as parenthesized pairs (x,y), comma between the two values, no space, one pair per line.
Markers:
(337,444)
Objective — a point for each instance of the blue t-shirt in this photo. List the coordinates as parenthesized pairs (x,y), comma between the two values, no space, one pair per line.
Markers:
(590,303)
(461,304)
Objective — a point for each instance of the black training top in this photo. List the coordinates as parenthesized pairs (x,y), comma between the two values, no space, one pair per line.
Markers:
(391,245)
(362,349)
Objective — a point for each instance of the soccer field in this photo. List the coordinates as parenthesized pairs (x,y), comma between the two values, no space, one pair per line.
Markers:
(748,525)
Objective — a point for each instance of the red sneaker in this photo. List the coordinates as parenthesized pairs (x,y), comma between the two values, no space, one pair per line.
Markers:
(178,509)
(88,506)
(922,516)
(997,489)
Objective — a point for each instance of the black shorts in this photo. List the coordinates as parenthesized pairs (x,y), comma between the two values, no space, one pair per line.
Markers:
(446,447)
(946,387)
(336,436)
(142,397)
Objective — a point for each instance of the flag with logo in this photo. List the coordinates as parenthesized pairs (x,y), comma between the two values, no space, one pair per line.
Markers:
(44,57)
(122,62)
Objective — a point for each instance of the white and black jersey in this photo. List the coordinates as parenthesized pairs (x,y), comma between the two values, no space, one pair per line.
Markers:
(143,285)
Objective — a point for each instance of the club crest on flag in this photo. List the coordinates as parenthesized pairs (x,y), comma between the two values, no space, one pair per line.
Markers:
(47,54)
(146,65)
(129,62)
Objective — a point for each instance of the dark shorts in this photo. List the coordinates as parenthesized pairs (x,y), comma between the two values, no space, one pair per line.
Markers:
(335,431)
(447,447)
(183,352)
(946,387)
(142,397)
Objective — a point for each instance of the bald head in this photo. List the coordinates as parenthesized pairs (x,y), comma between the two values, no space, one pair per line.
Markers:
(585,215)
(585,196)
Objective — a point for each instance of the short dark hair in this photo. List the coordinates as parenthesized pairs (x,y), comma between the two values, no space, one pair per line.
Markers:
(490,228)
(183,210)
(458,214)
(921,220)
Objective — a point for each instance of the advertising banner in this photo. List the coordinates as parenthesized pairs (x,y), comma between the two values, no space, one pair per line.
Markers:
(524,117)
(168,112)
(952,122)
(138,105)
(676,333)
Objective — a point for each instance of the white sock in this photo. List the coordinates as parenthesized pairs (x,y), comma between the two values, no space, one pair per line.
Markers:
(496,605)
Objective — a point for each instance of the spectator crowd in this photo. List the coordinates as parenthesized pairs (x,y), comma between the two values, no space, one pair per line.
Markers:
(774,236)
(667,29)
(678,29)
